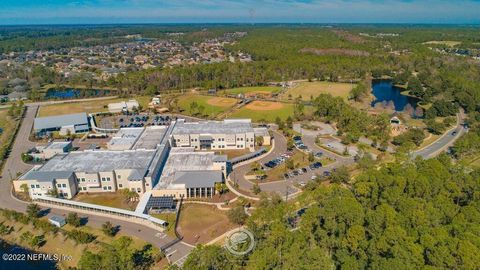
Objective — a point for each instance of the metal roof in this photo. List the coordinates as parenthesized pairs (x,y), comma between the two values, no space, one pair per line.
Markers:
(101,208)
(47,176)
(58,219)
(228,126)
(60,121)
(100,161)
(198,179)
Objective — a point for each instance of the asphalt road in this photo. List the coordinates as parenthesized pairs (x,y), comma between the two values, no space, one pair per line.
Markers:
(287,187)
(14,165)
(445,141)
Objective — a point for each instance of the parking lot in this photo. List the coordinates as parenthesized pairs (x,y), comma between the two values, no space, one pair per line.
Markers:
(140,120)
(135,120)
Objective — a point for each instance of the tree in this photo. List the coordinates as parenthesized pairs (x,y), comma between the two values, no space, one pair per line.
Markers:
(221,188)
(279,123)
(237,215)
(33,210)
(208,258)
(193,107)
(259,140)
(24,188)
(340,175)
(289,122)
(26,237)
(74,220)
(37,241)
(108,229)
(256,189)
(311,157)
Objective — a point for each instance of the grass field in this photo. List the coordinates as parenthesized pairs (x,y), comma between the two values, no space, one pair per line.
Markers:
(202,223)
(264,110)
(87,106)
(7,125)
(111,199)
(170,218)
(313,89)
(254,89)
(212,105)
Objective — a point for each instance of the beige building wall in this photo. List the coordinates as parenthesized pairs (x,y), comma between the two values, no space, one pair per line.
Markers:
(176,193)
(67,187)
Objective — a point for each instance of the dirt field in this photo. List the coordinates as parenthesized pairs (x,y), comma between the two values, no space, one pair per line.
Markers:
(264,110)
(264,106)
(111,199)
(221,102)
(202,223)
(308,89)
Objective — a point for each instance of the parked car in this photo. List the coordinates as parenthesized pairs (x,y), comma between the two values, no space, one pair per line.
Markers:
(326,173)
(285,175)
(319,154)
(302,184)
(304,170)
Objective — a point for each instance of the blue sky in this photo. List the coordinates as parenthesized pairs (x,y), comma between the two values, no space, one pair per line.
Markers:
(244,11)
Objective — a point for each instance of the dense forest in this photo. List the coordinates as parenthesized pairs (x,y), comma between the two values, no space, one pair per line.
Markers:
(422,214)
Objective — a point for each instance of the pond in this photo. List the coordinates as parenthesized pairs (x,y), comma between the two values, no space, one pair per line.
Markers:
(70,93)
(388,96)
(23,263)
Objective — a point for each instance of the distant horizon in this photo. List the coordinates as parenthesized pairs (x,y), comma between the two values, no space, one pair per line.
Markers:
(98,12)
(242,24)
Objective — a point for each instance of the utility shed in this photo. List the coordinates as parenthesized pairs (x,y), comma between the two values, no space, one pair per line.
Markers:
(58,221)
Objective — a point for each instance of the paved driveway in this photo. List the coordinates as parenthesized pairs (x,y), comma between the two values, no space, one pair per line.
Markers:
(287,187)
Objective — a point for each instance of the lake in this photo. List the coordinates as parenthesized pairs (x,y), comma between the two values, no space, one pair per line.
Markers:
(70,93)
(6,248)
(390,96)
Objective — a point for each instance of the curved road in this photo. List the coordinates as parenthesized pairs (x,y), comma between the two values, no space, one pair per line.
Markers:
(445,141)
(14,166)
(286,187)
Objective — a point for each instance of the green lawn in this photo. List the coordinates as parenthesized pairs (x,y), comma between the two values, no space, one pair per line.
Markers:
(257,114)
(313,89)
(212,105)
(7,125)
(110,199)
(87,106)
(253,89)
